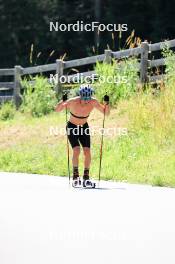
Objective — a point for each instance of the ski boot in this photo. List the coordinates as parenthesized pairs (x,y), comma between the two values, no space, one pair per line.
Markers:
(88,184)
(76,182)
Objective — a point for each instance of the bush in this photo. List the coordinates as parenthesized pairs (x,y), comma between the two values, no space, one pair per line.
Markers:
(125,76)
(169,57)
(38,99)
(7,111)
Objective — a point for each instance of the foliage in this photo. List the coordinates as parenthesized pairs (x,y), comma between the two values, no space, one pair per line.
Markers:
(124,75)
(7,111)
(169,56)
(29,25)
(39,98)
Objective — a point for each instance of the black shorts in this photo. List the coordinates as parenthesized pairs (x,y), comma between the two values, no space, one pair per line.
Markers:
(78,135)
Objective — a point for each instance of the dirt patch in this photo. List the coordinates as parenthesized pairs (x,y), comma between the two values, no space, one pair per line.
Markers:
(44,133)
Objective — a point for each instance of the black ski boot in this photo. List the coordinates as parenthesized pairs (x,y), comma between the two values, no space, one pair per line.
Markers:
(76,179)
(76,183)
(87,183)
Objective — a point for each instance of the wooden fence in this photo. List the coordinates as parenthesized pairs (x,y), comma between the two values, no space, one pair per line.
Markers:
(141,52)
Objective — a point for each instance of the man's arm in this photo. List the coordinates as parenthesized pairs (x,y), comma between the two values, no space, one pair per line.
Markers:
(63,103)
(102,107)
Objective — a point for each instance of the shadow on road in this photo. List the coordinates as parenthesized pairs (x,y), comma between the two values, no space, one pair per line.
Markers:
(102,189)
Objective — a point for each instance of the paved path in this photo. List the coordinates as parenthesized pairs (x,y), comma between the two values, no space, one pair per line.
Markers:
(44,221)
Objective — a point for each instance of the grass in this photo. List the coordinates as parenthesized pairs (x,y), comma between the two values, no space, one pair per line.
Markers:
(145,155)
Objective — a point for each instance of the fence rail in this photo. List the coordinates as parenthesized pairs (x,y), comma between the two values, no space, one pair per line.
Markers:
(39,69)
(60,66)
(84,61)
(6,72)
(127,53)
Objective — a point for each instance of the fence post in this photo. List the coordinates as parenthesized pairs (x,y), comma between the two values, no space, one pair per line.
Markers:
(108,56)
(59,73)
(17,85)
(144,63)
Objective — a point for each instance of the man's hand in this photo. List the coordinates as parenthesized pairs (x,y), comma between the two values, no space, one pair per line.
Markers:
(102,107)
(106,99)
(64,97)
(62,104)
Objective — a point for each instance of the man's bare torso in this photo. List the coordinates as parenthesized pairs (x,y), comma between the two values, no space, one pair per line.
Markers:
(80,109)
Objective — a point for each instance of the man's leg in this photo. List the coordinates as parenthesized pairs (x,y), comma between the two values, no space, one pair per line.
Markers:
(86,143)
(87,162)
(75,162)
(73,139)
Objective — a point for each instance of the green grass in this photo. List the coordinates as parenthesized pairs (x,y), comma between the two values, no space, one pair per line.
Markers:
(145,155)
(128,158)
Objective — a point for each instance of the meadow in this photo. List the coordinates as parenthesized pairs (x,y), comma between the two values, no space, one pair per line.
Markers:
(141,151)
(145,154)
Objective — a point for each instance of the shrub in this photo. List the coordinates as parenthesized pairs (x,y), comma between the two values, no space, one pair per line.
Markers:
(7,111)
(169,56)
(125,76)
(39,98)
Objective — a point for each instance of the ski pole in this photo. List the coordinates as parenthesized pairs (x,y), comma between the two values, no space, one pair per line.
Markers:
(106,99)
(68,159)
(101,147)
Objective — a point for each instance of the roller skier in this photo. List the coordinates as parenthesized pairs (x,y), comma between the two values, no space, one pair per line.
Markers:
(78,132)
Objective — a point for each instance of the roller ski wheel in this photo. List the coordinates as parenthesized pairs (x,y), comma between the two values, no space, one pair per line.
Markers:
(88,184)
(76,183)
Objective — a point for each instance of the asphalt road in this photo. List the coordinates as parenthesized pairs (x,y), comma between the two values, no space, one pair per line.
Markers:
(44,221)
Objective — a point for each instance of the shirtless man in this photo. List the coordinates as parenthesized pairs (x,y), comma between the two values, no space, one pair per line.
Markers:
(78,130)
